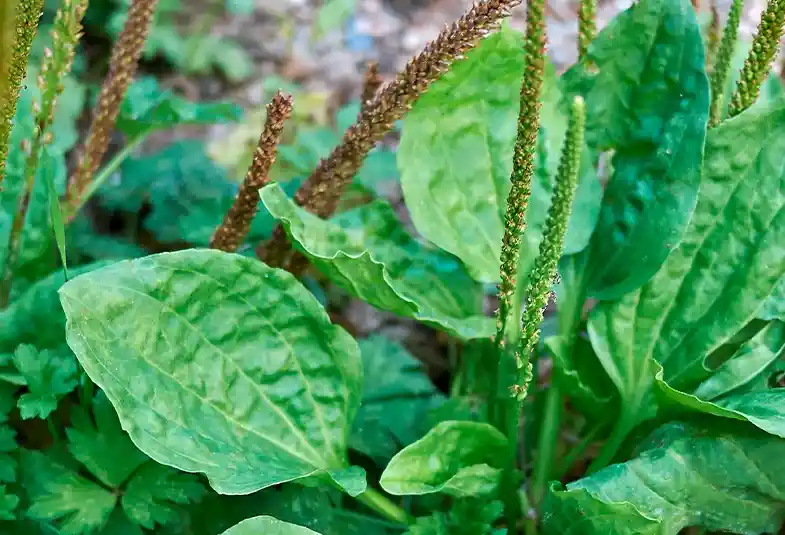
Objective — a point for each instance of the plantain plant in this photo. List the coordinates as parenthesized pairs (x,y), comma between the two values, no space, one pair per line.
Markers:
(190,377)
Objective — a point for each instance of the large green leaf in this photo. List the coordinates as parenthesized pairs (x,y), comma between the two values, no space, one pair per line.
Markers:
(729,261)
(647,98)
(368,252)
(267,525)
(397,397)
(693,477)
(457,458)
(218,364)
(456,151)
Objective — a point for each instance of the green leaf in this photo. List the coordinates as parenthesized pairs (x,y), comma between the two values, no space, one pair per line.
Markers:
(465,517)
(397,396)
(455,158)
(368,253)
(49,376)
(8,504)
(57,493)
(55,213)
(718,481)
(267,525)
(103,447)
(244,377)
(714,282)
(458,458)
(750,361)
(647,99)
(36,317)
(147,108)
(187,191)
(8,445)
(153,489)
(37,257)
(774,306)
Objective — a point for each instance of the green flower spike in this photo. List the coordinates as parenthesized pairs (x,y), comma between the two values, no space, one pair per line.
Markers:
(587,25)
(523,160)
(18,26)
(552,246)
(719,73)
(66,32)
(758,62)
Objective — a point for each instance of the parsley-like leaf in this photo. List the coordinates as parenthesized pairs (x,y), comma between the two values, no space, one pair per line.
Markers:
(57,493)
(49,376)
(154,489)
(103,448)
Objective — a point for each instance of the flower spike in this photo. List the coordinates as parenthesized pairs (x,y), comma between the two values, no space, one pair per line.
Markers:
(232,231)
(759,61)
(551,247)
(122,69)
(323,189)
(18,26)
(719,74)
(523,160)
(587,25)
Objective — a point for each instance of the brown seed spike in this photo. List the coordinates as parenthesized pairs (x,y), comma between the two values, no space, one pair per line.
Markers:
(323,189)
(122,69)
(237,220)
(371,84)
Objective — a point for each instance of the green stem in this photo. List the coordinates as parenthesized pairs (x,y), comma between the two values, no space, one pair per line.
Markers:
(529,523)
(547,442)
(382,505)
(70,212)
(576,451)
(611,447)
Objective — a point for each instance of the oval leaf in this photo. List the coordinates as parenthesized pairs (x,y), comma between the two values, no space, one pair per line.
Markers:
(647,98)
(267,525)
(721,482)
(729,261)
(455,158)
(368,253)
(458,458)
(218,364)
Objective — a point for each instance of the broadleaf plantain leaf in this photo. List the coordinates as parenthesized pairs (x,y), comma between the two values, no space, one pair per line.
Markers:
(647,99)
(218,364)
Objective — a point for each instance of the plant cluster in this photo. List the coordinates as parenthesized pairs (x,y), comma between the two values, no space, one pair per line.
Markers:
(185,376)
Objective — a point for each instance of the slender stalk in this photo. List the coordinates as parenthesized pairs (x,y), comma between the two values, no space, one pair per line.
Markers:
(235,225)
(72,209)
(713,35)
(621,430)
(523,161)
(722,63)
(552,245)
(576,451)
(323,189)
(380,504)
(20,17)
(547,442)
(759,61)
(66,32)
(587,25)
(122,69)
